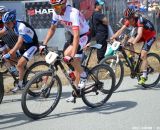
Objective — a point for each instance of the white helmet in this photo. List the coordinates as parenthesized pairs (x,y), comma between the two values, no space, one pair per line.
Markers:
(2,9)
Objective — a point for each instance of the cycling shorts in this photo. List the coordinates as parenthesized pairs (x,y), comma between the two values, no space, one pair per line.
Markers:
(84,39)
(29,50)
(147,44)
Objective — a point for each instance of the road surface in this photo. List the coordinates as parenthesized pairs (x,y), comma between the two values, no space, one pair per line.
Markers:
(130,108)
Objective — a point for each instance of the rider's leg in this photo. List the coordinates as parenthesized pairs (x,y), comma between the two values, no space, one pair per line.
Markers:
(145,49)
(131,47)
(76,64)
(20,66)
(144,62)
(79,71)
(143,78)
(22,63)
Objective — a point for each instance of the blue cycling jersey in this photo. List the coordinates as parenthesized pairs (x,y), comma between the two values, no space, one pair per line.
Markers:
(25,30)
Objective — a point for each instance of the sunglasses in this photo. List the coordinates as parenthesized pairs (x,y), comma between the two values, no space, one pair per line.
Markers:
(57,6)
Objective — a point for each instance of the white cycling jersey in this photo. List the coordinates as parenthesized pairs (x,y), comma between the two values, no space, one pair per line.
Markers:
(71,19)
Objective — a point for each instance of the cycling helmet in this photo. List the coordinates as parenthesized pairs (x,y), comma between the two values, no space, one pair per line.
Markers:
(129,12)
(2,9)
(57,2)
(9,16)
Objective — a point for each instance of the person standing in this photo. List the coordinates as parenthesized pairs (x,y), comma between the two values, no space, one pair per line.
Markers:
(100,23)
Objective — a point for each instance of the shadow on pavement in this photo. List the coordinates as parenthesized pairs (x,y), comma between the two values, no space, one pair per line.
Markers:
(13,120)
(18,119)
(138,87)
(108,108)
(63,96)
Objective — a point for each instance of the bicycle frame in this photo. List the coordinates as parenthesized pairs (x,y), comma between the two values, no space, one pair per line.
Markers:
(133,68)
(77,93)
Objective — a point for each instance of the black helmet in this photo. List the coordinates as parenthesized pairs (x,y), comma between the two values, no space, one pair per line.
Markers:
(129,12)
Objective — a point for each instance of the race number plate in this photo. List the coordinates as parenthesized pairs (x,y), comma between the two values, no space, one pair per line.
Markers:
(51,57)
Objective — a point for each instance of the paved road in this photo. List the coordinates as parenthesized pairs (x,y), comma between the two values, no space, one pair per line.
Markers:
(130,108)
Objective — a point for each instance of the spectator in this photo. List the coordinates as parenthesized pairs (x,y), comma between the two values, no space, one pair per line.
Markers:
(100,22)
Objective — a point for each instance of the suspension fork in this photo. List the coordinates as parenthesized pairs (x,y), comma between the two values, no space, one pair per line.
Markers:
(128,61)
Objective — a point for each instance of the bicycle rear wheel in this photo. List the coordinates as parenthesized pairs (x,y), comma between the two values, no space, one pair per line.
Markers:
(153,70)
(99,87)
(32,70)
(1,88)
(48,94)
(117,67)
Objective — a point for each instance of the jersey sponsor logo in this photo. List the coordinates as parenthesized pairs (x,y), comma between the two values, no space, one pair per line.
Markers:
(33,12)
(29,31)
(66,23)
(148,25)
(31,52)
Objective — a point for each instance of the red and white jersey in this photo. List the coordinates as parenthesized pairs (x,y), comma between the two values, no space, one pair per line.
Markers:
(72,19)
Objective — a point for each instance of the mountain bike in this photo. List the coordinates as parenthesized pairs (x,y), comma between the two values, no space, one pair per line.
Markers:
(98,89)
(153,68)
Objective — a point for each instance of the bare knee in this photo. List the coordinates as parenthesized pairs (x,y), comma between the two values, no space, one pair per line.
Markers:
(143,55)
(68,51)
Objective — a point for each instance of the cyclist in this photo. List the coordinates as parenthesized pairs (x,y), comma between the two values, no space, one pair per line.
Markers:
(26,45)
(145,33)
(73,21)
(3,47)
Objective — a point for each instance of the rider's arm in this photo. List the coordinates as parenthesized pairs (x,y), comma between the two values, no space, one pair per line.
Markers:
(76,35)
(139,35)
(50,33)
(118,33)
(17,46)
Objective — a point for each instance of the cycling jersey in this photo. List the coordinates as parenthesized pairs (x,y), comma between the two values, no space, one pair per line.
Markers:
(148,28)
(72,19)
(30,44)
(26,31)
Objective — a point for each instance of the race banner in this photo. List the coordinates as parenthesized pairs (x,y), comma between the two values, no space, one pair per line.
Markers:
(39,14)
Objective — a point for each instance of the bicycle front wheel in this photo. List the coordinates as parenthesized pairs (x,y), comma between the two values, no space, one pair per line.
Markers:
(99,87)
(153,70)
(48,94)
(117,67)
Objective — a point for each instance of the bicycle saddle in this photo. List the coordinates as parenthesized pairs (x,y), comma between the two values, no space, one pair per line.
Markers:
(96,46)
